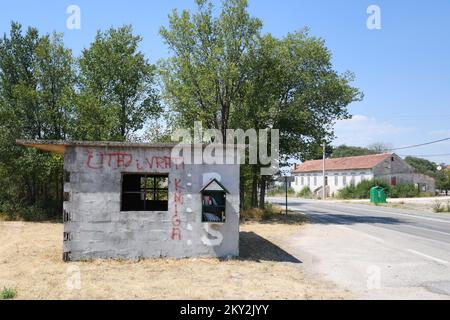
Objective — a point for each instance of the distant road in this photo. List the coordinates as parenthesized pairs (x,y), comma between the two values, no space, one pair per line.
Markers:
(375,252)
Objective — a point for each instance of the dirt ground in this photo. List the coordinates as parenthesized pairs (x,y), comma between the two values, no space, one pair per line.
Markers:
(30,262)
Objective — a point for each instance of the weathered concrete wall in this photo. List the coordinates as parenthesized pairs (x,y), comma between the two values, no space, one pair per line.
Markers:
(392,165)
(98,229)
(403,173)
(424,182)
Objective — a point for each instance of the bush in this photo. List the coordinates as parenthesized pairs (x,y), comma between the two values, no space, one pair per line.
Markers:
(256,214)
(362,190)
(8,293)
(438,206)
(404,191)
(305,193)
(280,190)
(17,212)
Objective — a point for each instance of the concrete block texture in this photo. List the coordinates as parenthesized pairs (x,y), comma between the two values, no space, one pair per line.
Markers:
(99,229)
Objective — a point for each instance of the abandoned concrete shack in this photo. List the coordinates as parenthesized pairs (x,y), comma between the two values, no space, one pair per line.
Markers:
(130,200)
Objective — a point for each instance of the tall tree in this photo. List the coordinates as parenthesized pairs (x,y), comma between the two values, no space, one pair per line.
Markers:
(210,63)
(294,88)
(422,165)
(55,74)
(224,73)
(119,81)
(379,147)
(350,151)
(36,86)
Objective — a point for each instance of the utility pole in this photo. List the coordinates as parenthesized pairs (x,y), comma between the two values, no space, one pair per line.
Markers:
(286,190)
(323,172)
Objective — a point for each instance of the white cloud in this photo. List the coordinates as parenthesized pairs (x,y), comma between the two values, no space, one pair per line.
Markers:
(362,130)
(443,133)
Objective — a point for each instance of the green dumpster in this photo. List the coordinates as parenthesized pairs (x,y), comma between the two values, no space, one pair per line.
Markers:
(377,195)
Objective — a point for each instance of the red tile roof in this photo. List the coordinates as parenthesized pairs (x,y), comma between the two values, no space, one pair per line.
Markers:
(346,163)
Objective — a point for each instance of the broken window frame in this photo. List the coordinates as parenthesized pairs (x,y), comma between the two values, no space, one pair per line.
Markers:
(145,190)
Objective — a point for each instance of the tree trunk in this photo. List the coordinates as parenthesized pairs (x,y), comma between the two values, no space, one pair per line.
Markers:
(254,187)
(262,192)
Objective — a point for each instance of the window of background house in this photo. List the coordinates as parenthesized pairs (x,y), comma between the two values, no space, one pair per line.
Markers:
(145,192)
(302,181)
(344,180)
(336,179)
(315,180)
(363,177)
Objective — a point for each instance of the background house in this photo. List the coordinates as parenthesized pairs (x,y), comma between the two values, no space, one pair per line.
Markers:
(340,172)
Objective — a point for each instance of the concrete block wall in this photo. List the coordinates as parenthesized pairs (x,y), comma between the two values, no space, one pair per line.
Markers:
(392,165)
(97,227)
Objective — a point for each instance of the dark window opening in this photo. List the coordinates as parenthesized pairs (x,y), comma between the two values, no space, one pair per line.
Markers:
(66,196)
(213,206)
(145,192)
(66,256)
(66,176)
(394,181)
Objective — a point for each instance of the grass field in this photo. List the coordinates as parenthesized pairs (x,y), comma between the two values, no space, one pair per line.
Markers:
(31,266)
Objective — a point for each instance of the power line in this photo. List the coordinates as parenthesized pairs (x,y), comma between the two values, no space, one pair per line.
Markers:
(420,116)
(425,155)
(420,145)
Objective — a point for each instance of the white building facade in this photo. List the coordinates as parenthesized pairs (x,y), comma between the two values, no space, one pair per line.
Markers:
(335,180)
(341,172)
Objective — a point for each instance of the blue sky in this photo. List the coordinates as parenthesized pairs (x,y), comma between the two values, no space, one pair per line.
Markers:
(403,68)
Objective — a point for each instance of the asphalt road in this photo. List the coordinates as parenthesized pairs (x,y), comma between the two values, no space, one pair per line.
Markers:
(375,252)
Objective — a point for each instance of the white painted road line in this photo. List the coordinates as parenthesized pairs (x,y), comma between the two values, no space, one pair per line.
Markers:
(428,230)
(408,225)
(390,212)
(362,233)
(427,256)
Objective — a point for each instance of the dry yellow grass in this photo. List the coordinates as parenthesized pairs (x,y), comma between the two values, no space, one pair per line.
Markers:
(30,262)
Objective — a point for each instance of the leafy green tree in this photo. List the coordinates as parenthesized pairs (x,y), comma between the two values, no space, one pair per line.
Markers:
(442,179)
(119,82)
(350,151)
(36,87)
(422,165)
(55,74)
(379,147)
(225,73)
(210,63)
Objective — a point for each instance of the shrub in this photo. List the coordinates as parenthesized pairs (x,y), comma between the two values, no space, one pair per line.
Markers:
(18,212)
(362,189)
(8,293)
(256,214)
(280,190)
(437,206)
(305,193)
(404,191)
